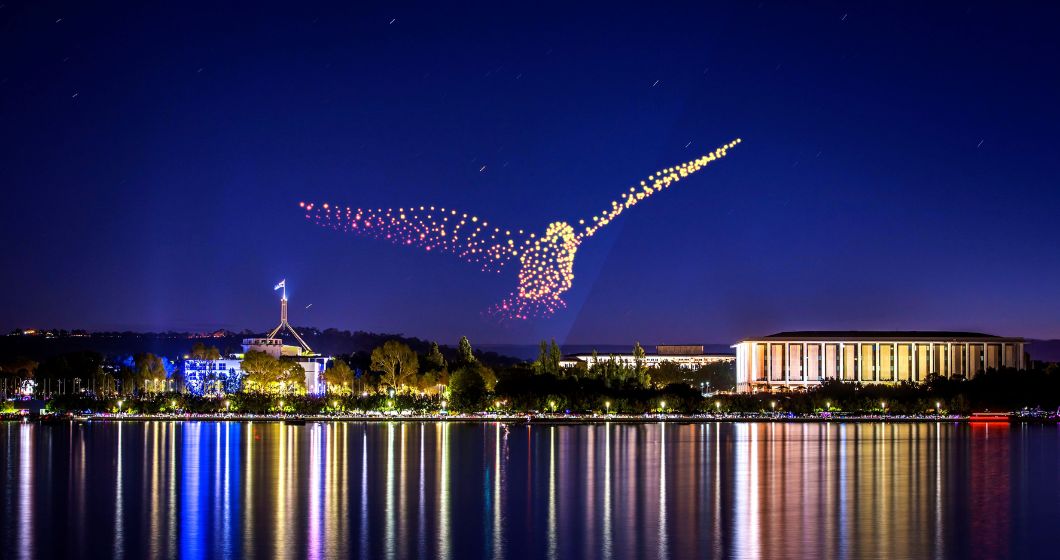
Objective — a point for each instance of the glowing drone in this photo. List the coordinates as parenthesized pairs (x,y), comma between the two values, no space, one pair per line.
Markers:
(546,262)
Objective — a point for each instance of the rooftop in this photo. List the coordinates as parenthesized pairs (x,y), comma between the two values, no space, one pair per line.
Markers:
(887,335)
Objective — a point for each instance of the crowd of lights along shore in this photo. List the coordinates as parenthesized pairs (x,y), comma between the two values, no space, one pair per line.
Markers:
(546,261)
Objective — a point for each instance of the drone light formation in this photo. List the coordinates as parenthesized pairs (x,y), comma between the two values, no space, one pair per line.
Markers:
(546,262)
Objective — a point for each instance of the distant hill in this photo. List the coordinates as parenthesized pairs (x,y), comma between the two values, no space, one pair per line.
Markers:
(1044,350)
(530,351)
(174,345)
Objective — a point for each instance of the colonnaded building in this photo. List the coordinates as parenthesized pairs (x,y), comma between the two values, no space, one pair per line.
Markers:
(800,359)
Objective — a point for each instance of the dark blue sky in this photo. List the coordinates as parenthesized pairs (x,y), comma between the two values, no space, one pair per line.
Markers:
(899,168)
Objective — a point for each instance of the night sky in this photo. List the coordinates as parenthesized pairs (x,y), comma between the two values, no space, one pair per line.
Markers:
(899,168)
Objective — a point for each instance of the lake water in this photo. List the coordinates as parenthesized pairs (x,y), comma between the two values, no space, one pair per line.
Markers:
(466,491)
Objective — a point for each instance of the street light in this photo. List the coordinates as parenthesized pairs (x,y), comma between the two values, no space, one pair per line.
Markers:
(607,405)
(773,405)
(228,406)
(717,405)
(552,404)
(662,404)
(335,405)
(828,405)
(119,406)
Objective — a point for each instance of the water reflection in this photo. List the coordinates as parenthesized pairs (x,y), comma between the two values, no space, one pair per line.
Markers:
(423,490)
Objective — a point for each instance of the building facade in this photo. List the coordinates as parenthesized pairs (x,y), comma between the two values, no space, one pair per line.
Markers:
(802,359)
(690,356)
(226,374)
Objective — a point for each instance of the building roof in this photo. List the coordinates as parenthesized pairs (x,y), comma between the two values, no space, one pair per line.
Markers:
(606,355)
(934,336)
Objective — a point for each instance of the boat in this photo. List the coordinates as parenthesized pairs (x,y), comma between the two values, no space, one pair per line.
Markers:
(1002,417)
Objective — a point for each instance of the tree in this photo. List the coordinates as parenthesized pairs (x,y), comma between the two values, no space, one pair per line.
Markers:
(488,377)
(667,373)
(291,377)
(594,365)
(467,389)
(149,370)
(541,365)
(554,357)
(640,367)
(338,374)
(434,359)
(261,370)
(397,362)
(200,352)
(467,355)
(19,367)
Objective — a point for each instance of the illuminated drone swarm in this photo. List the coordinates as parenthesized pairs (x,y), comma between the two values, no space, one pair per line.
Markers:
(546,262)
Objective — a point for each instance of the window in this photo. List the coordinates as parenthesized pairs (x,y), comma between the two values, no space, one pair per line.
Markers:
(868,362)
(886,365)
(795,362)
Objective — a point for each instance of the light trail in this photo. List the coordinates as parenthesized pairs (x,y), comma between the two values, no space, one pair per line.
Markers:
(546,262)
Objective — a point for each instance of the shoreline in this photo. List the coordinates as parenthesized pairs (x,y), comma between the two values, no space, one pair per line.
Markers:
(535,419)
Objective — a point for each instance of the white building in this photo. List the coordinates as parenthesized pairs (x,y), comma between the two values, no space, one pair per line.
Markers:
(229,374)
(690,356)
(802,359)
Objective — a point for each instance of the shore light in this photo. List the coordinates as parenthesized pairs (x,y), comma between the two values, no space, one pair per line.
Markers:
(119,406)
(607,405)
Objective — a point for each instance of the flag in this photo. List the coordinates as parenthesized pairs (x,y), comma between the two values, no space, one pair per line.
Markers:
(282,284)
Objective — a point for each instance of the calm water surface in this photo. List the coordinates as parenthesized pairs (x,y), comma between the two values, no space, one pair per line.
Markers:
(466,491)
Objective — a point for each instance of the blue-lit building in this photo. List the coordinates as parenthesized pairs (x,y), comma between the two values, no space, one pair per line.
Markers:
(214,376)
(226,375)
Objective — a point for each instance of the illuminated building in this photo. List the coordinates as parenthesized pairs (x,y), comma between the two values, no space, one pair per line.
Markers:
(689,356)
(802,359)
(546,261)
(226,374)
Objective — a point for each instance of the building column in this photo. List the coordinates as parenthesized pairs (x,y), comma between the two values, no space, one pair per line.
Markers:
(894,363)
(839,371)
(876,366)
(787,364)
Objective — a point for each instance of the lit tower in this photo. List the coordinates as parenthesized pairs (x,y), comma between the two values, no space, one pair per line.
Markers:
(284,325)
